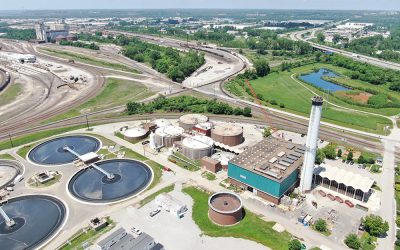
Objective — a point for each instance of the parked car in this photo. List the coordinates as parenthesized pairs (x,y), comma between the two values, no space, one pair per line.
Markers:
(145,142)
(9,188)
(154,212)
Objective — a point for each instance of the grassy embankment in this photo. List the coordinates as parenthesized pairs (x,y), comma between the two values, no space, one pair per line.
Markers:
(252,227)
(116,92)
(10,93)
(6,157)
(279,86)
(88,60)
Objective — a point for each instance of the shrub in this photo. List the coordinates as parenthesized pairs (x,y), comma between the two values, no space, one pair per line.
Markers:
(375,225)
(294,245)
(352,241)
(320,225)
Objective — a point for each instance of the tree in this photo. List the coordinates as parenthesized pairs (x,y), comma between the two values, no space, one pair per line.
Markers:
(361,160)
(336,38)
(321,37)
(375,225)
(294,245)
(262,67)
(267,132)
(339,153)
(330,151)
(320,157)
(350,156)
(247,112)
(352,241)
(320,225)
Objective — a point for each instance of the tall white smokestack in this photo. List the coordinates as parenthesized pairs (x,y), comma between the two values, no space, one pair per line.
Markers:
(311,144)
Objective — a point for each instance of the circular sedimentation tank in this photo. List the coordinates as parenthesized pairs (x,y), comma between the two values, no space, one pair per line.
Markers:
(187,122)
(227,133)
(162,123)
(166,136)
(92,186)
(52,152)
(37,218)
(9,169)
(198,146)
(225,208)
(135,134)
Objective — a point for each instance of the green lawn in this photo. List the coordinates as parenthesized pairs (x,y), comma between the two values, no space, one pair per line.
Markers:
(252,227)
(208,175)
(367,242)
(7,157)
(279,86)
(185,163)
(10,93)
(88,60)
(115,93)
(151,197)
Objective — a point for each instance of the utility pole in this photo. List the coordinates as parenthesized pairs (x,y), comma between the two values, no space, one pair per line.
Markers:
(12,145)
(87,122)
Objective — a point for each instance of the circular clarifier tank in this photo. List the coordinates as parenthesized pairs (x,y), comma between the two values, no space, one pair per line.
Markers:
(130,177)
(52,152)
(37,218)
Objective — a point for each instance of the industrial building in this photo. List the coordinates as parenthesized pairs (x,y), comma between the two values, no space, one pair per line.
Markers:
(187,122)
(270,169)
(166,136)
(343,182)
(51,32)
(225,208)
(17,57)
(169,203)
(227,133)
(223,158)
(198,146)
(121,240)
(203,128)
(210,164)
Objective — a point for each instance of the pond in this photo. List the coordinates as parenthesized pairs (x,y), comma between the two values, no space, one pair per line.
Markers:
(315,78)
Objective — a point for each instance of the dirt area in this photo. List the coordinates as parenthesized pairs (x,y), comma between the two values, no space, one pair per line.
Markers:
(361,97)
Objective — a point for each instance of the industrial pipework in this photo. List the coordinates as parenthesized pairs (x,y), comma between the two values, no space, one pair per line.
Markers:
(9,222)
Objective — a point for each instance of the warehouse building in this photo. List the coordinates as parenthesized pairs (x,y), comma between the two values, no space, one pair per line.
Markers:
(270,169)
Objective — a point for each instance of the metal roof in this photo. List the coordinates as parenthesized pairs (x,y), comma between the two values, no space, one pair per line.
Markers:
(345,177)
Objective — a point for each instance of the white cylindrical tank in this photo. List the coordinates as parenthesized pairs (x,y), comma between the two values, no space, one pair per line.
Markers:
(135,134)
(161,123)
(311,144)
(187,122)
(166,136)
(197,147)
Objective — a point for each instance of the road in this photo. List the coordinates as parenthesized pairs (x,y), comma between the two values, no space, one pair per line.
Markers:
(297,36)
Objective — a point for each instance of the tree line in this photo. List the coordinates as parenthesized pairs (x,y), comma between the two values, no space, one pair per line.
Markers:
(78,44)
(177,65)
(186,104)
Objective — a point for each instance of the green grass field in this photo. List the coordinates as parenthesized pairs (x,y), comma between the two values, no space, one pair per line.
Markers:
(116,92)
(10,93)
(6,157)
(88,60)
(251,227)
(279,86)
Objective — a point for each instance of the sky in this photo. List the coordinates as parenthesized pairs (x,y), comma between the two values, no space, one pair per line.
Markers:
(224,4)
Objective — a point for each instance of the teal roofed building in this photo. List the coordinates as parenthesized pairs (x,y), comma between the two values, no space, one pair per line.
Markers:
(270,169)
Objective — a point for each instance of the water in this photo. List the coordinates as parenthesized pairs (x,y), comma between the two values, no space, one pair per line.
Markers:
(91,185)
(52,152)
(37,218)
(315,78)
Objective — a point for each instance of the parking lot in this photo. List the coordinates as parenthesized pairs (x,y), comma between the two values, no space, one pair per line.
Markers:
(175,233)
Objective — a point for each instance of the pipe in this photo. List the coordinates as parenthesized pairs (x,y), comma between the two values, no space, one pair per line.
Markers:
(109,175)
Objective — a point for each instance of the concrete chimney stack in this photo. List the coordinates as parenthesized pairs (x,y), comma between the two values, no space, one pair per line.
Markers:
(311,144)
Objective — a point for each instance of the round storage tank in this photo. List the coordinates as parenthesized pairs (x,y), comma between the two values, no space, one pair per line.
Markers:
(135,134)
(225,208)
(197,147)
(166,136)
(162,123)
(187,122)
(227,133)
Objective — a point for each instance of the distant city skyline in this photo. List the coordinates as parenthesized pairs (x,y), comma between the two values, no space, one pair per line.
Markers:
(220,4)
